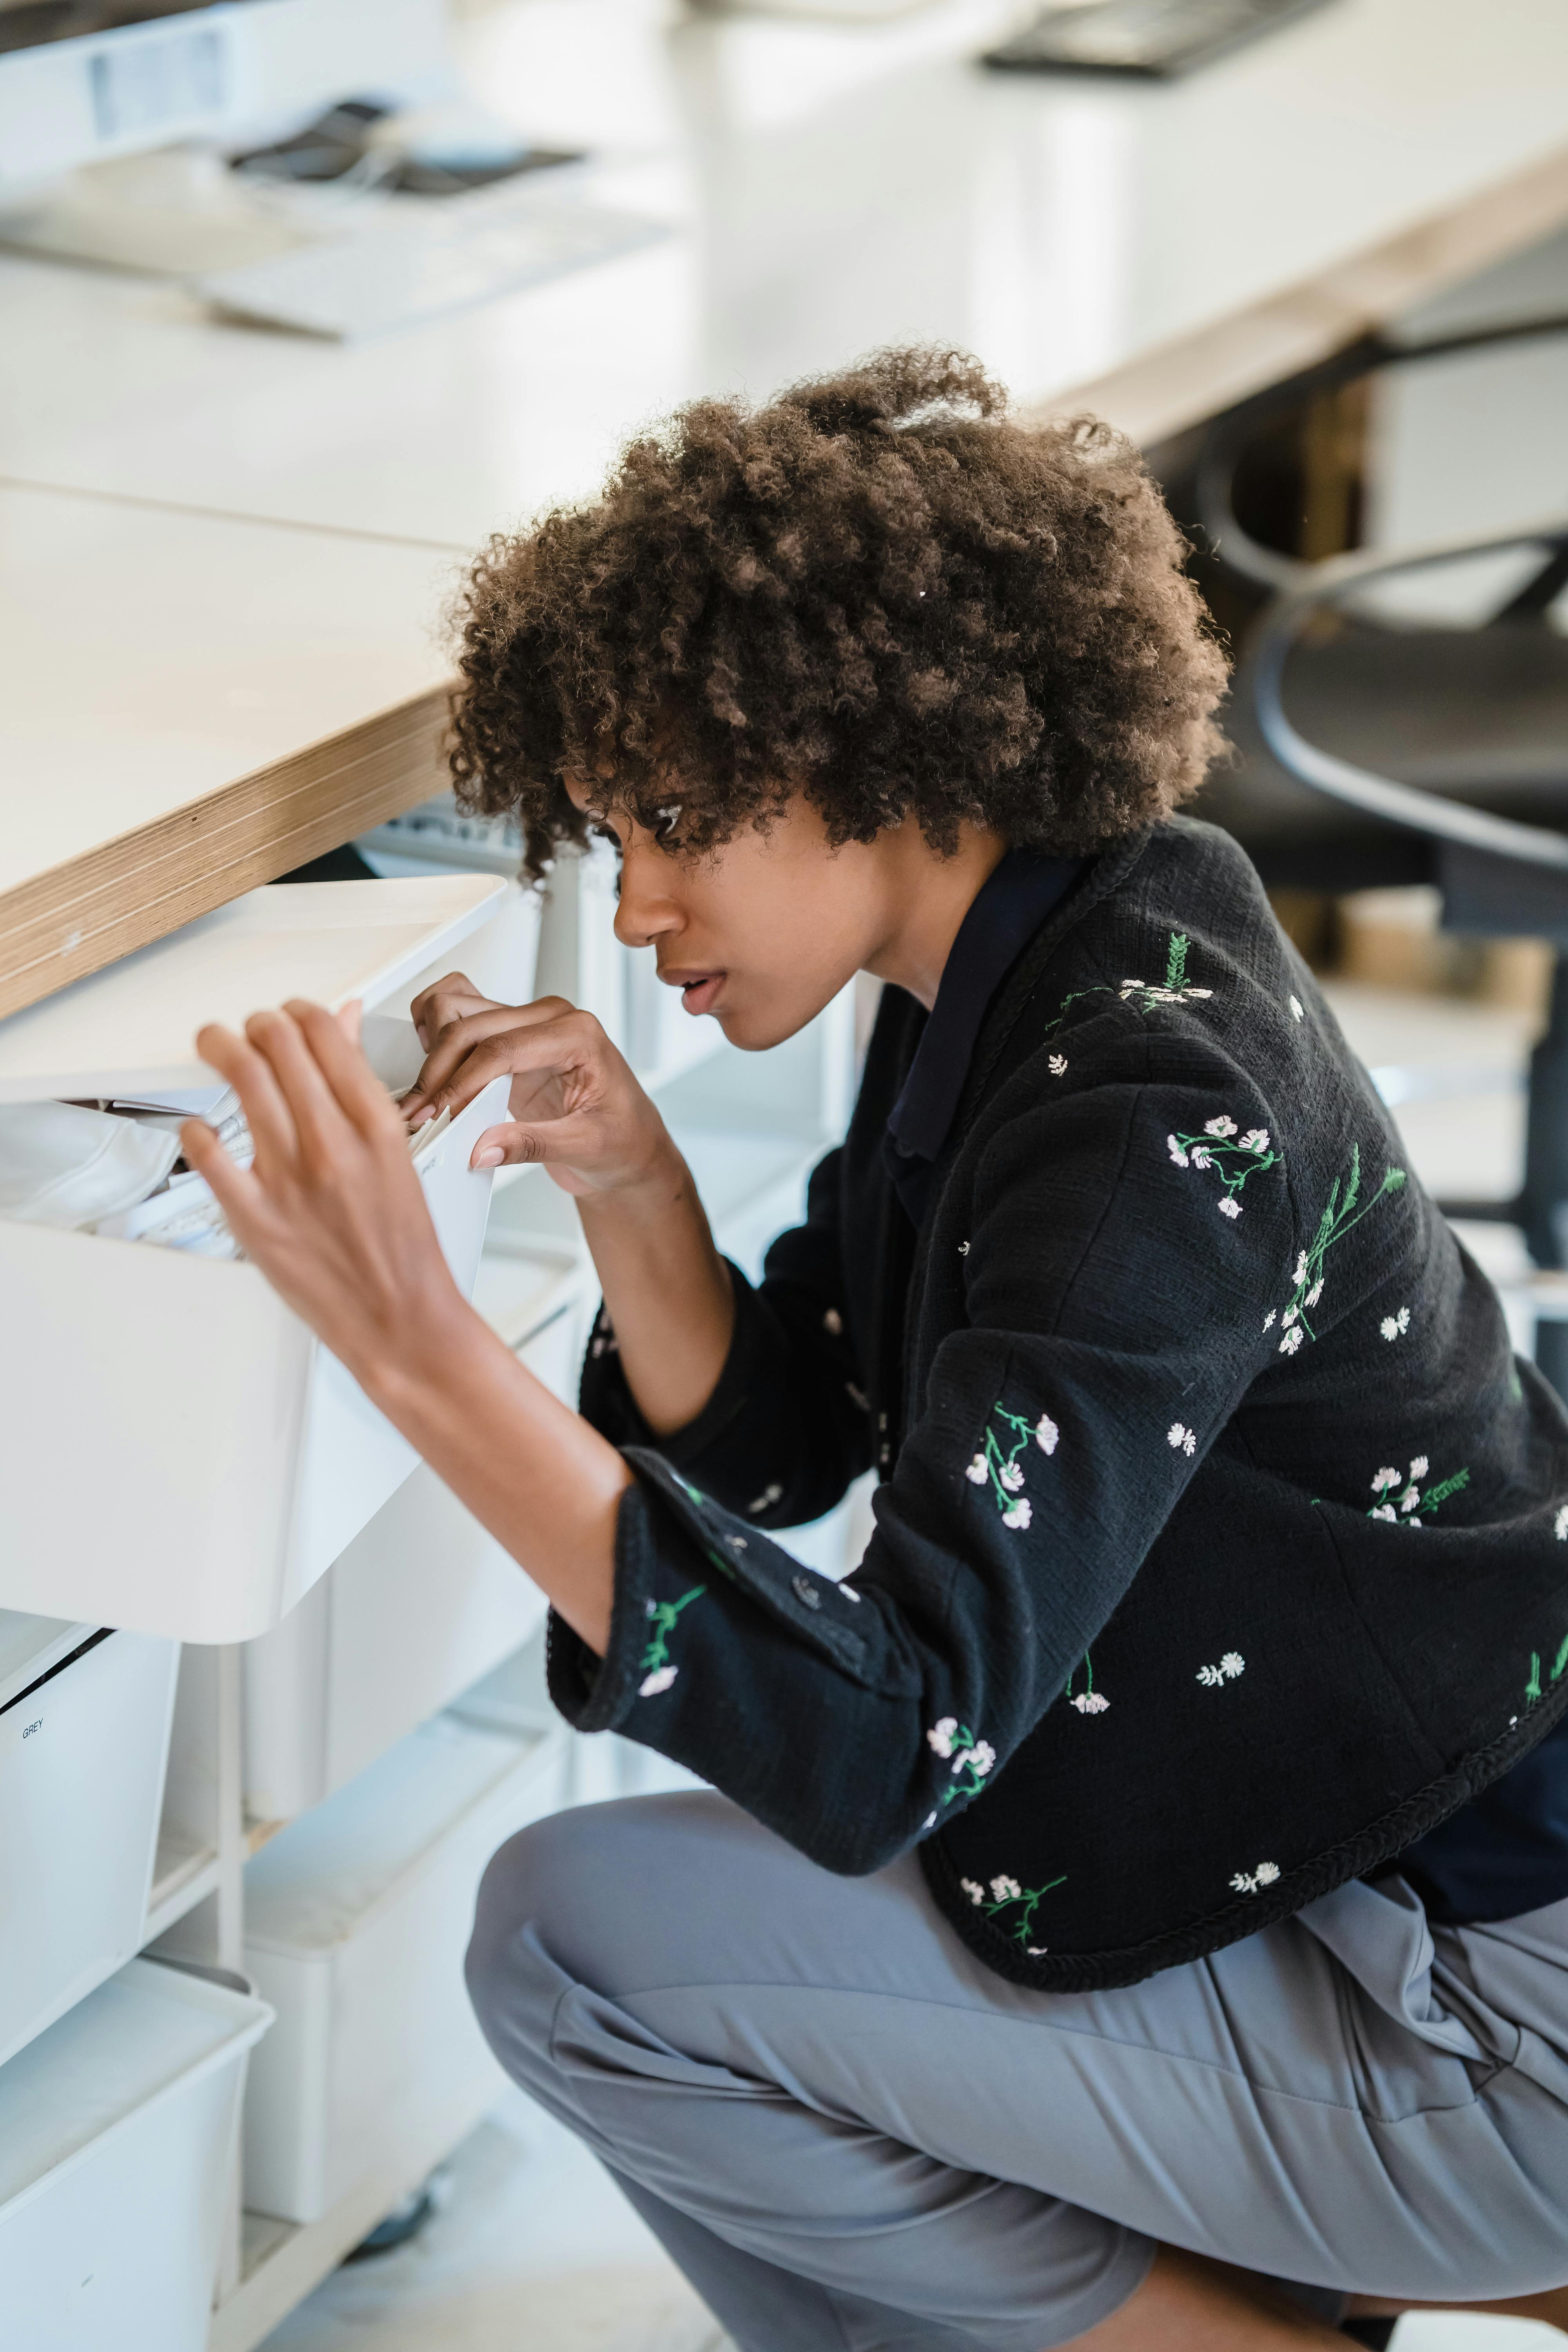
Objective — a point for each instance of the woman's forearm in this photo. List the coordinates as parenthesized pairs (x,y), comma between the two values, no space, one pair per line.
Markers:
(546,1486)
(667,1290)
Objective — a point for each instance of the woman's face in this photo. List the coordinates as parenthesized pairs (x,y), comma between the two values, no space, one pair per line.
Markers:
(763,932)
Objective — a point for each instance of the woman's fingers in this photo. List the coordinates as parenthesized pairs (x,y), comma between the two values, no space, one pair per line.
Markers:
(512,1042)
(338,1055)
(319,1119)
(514,1144)
(266,1108)
(237,1191)
(457,1037)
(446,1000)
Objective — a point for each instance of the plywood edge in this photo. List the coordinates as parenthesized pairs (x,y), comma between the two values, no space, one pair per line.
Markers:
(1196,375)
(83,914)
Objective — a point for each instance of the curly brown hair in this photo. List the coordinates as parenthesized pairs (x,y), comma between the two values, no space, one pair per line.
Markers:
(875,590)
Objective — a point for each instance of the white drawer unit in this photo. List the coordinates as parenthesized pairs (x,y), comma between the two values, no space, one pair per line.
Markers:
(84,1739)
(179,1456)
(357,1918)
(421,1604)
(118,2129)
(424,1601)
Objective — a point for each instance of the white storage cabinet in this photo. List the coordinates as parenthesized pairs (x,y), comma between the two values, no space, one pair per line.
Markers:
(179,1456)
(84,1739)
(117,2136)
(357,1918)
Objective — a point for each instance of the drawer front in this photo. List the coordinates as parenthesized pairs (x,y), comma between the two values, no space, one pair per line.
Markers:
(179,1456)
(81,1788)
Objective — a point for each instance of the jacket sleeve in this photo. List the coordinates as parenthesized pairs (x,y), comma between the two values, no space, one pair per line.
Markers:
(1127,1244)
(786,1428)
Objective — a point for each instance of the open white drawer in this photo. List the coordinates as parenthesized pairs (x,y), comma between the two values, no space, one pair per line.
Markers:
(179,1456)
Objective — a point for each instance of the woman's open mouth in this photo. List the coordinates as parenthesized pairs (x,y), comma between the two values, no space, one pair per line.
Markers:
(698,990)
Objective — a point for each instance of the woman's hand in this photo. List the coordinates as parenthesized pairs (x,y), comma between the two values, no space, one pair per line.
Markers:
(333,1212)
(330,1208)
(575,1105)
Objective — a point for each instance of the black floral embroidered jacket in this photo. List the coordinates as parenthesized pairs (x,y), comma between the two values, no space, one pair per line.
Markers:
(1222,1543)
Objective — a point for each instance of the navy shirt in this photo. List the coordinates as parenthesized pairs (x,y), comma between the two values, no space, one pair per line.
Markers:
(1007,911)
(1507,1852)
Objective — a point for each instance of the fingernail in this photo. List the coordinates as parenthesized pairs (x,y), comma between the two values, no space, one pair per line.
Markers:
(428,1113)
(491,1157)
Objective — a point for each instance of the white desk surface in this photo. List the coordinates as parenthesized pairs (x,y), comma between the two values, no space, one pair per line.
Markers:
(835,188)
(1155,252)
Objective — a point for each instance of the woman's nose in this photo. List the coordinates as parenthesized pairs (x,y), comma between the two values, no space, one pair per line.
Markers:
(644,914)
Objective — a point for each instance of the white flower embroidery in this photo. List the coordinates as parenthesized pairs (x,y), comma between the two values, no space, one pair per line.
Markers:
(1228,1205)
(975,1473)
(1394,1327)
(1247,1882)
(939,1739)
(1056,1064)
(1411,1496)
(979,1759)
(972,1888)
(1384,1480)
(1229,1666)
(1560,1524)
(1384,1511)
(1091,1702)
(833,1322)
(1202,1158)
(1019,1514)
(1005,1890)
(765,1502)
(1182,1438)
(1299,1275)
(1012,1478)
(1047,1433)
(1177,1154)
(1291,1342)
(929,1823)
(1268,1319)
(1255,1140)
(856,1396)
(1038,1951)
(964,1249)
(1316,1292)
(659,1680)
(1298,1010)
(1221,1126)
(1418,1468)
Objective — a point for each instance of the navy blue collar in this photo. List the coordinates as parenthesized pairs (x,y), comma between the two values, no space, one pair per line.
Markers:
(1007,911)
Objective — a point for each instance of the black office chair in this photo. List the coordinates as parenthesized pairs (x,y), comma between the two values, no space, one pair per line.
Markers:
(1443,805)
(1376,752)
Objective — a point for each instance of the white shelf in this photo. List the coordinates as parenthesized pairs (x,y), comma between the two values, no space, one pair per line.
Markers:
(183,1874)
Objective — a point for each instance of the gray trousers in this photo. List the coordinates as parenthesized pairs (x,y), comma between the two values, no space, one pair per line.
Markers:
(848,2133)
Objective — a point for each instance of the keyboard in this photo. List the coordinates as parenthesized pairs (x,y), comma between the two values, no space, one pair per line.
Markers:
(1156,38)
(421,257)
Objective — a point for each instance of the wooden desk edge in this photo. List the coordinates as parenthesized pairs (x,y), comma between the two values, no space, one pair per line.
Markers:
(77,917)
(1196,375)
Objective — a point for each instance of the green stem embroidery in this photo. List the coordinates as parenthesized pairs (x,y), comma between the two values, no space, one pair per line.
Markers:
(1234,1157)
(1340,1217)
(996,1463)
(1088,1701)
(971,1758)
(1006,1893)
(654,1660)
(1143,995)
(1412,1504)
(1533,1688)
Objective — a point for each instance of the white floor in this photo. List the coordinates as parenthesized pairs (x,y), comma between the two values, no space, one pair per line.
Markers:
(535,2251)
